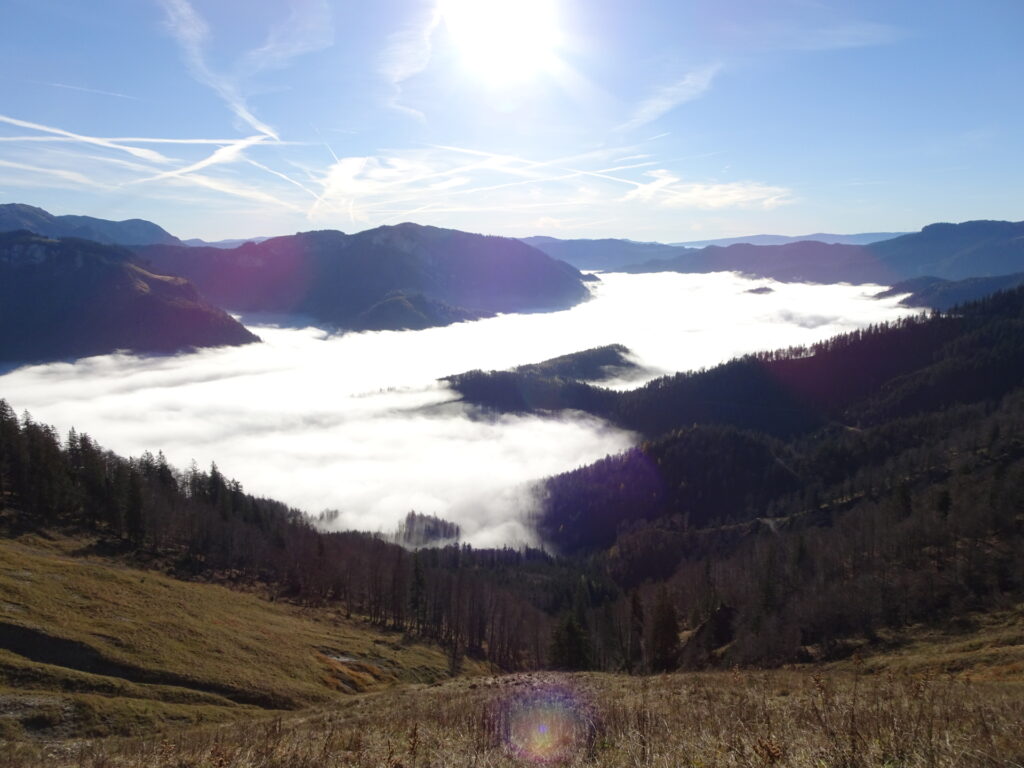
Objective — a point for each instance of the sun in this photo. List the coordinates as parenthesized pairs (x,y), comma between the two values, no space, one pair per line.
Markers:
(503,41)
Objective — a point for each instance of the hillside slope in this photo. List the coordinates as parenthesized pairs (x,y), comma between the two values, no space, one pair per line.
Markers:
(74,298)
(91,647)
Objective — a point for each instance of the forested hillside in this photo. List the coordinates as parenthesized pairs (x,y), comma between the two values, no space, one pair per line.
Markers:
(200,525)
(773,485)
(73,298)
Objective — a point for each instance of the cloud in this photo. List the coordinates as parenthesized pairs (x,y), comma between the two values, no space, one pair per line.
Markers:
(694,85)
(57,173)
(143,154)
(227,154)
(235,190)
(362,426)
(360,423)
(408,53)
(860,34)
(92,90)
(309,27)
(671,191)
(191,32)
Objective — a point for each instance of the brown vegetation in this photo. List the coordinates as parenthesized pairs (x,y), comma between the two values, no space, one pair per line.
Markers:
(699,719)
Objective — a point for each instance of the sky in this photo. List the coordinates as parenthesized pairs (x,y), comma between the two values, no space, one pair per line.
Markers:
(665,120)
(360,423)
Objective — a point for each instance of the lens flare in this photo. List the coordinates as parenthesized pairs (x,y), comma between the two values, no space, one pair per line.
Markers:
(546,725)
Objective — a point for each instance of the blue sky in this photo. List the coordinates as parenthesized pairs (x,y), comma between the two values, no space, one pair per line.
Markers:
(650,120)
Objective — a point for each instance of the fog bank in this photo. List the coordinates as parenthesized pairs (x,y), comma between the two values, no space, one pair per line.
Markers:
(359,423)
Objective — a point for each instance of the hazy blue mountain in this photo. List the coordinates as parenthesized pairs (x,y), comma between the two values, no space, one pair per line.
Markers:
(956,251)
(196,242)
(74,298)
(609,255)
(15,216)
(864,238)
(948,251)
(394,277)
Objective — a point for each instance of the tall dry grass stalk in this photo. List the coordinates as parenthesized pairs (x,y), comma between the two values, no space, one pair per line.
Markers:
(734,718)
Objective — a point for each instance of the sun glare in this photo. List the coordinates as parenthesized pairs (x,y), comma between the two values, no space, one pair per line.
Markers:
(503,41)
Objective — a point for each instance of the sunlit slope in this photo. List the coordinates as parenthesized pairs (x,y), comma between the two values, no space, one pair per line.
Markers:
(87,646)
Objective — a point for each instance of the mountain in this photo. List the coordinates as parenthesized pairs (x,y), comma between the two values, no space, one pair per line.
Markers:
(609,255)
(956,251)
(393,277)
(196,242)
(864,238)
(612,255)
(15,216)
(73,298)
(936,293)
(948,251)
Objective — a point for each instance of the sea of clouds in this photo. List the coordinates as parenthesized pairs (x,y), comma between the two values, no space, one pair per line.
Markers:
(360,423)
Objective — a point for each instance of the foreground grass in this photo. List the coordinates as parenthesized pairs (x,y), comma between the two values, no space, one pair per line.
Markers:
(706,719)
(90,648)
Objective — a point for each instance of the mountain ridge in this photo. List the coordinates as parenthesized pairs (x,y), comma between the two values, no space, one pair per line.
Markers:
(389,278)
(73,298)
(16,216)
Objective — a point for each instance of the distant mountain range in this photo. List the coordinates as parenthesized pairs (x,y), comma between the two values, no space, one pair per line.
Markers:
(609,255)
(864,238)
(410,276)
(73,298)
(614,254)
(948,251)
(395,277)
(15,216)
(196,242)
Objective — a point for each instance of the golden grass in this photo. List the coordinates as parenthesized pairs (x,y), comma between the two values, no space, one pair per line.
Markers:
(118,650)
(706,719)
(981,646)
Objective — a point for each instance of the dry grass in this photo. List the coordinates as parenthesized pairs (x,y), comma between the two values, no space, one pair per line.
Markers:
(982,646)
(708,719)
(113,650)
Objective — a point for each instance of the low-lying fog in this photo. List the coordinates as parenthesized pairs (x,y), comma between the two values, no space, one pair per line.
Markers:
(359,423)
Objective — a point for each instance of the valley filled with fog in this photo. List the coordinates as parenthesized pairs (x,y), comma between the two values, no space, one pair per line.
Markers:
(359,422)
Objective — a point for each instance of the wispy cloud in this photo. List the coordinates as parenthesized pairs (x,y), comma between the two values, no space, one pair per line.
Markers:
(228,154)
(408,53)
(859,34)
(377,189)
(308,28)
(191,32)
(143,154)
(92,90)
(138,140)
(236,190)
(669,190)
(694,85)
(818,30)
(63,175)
